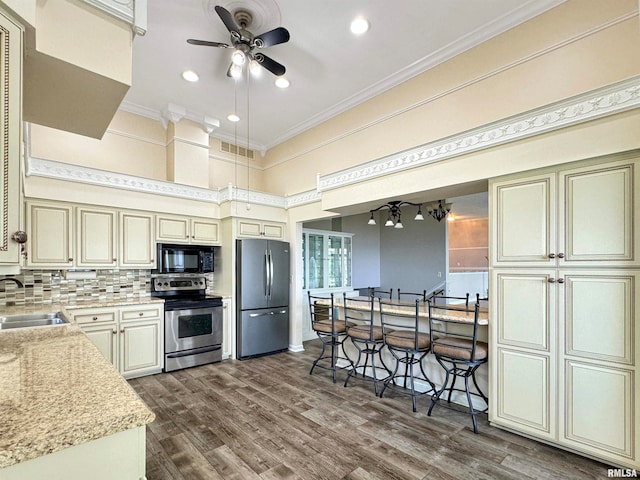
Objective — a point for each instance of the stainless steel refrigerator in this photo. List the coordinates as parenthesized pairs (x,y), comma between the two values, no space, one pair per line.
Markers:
(262,297)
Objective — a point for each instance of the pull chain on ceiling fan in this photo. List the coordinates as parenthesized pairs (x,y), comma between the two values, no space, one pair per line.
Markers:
(245,43)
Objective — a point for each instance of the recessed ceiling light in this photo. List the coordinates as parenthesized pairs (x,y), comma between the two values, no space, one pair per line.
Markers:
(232,117)
(190,76)
(359,25)
(282,82)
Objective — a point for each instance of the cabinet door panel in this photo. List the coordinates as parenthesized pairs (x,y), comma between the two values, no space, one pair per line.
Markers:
(172,229)
(104,337)
(249,229)
(203,231)
(136,240)
(523,225)
(96,237)
(598,402)
(140,348)
(525,396)
(50,235)
(600,314)
(598,214)
(523,308)
(273,231)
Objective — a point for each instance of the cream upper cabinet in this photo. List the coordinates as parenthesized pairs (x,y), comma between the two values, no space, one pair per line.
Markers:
(574,217)
(96,237)
(260,229)
(179,229)
(137,240)
(11,98)
(50,231)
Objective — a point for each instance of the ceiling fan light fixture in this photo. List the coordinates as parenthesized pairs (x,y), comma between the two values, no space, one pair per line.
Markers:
(235,71)
(190,76)
(238,57)
(282,82)
(255,68)
(359,26)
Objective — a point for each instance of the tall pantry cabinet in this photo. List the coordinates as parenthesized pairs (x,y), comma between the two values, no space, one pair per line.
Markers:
(564,303)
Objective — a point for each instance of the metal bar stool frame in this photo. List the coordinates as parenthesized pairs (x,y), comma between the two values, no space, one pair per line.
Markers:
(414,295)
(366,337)
(407,344)
(331,331)
(377,293)
(443,345)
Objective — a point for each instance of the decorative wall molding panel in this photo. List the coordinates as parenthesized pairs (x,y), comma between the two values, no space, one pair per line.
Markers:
(599,103)
(303,198)
(237,194)
(74,173)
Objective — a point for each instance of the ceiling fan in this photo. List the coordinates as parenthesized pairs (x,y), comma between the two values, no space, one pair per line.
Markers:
(245,43)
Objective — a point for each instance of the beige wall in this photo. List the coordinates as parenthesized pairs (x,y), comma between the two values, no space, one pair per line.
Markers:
(576,47)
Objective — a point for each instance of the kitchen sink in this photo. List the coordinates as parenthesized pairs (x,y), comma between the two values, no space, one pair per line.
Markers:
(31,320)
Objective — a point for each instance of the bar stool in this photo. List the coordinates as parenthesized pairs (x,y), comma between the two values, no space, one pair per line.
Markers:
(366,337)
(331,331)
(408,345)
(413,295)
(454,342)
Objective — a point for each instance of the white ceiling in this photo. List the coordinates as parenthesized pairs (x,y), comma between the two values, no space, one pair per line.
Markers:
(329,68)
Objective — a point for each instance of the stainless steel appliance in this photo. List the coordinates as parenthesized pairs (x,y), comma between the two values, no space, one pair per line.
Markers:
(192,322)
(175,258)
(262,297)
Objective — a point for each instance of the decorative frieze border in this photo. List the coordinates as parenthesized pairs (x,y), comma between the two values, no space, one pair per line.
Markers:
(40,167)
(609,100)
(133,12)
(75,173)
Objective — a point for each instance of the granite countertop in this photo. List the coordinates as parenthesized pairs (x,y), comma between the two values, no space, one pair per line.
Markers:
(57,391)
(60,307)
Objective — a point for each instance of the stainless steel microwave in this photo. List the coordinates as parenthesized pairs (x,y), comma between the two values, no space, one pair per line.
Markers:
(175,258)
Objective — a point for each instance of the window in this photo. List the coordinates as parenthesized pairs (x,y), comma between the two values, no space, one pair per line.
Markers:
(326,259)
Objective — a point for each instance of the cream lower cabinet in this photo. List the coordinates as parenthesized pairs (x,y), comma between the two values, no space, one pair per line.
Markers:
(130,337)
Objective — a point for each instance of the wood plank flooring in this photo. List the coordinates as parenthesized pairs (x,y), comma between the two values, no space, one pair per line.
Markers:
(268,419)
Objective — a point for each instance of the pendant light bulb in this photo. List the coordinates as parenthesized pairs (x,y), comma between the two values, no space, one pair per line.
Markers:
(372,221)
(238,57)
(235,71)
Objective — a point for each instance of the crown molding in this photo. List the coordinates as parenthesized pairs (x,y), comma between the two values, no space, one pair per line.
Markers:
(73,173)
(302,198)
(238,194)
(598,103)
(134,12)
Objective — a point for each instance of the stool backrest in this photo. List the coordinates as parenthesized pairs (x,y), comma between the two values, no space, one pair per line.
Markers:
(381,293)
(359,310)
(400,318)
(322,309)
(448,319)
(412,295)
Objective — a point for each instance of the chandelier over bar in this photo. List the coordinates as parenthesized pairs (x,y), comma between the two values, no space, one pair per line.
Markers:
(439,209)
(394,219)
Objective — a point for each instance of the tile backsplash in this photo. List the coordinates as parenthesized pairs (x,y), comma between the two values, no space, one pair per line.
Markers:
(43,287)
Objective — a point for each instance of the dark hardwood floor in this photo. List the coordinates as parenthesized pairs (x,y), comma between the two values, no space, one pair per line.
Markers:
(267,418)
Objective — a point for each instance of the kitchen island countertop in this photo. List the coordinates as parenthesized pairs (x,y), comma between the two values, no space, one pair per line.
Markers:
(57,391)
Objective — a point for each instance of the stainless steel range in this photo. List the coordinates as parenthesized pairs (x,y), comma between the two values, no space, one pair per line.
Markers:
(192,321)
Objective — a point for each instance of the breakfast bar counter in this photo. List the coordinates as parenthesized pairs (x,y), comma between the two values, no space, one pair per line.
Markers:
(58,391)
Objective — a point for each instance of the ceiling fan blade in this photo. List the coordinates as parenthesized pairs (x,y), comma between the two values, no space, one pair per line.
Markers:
(206,43)
(272,37)
(270,64)
(227,19)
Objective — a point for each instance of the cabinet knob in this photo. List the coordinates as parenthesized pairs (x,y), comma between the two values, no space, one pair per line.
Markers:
(114,332)
(551,280)
(561,255)
(115,259)
(122,330)
(94,318)
(561,280)
(552,255)
(71,259)
(141,314)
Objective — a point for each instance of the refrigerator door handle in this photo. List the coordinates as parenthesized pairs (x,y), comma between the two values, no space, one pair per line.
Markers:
(266,274)
(254,315)
(270,274)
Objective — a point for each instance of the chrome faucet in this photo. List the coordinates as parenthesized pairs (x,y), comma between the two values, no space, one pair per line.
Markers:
(15,280)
